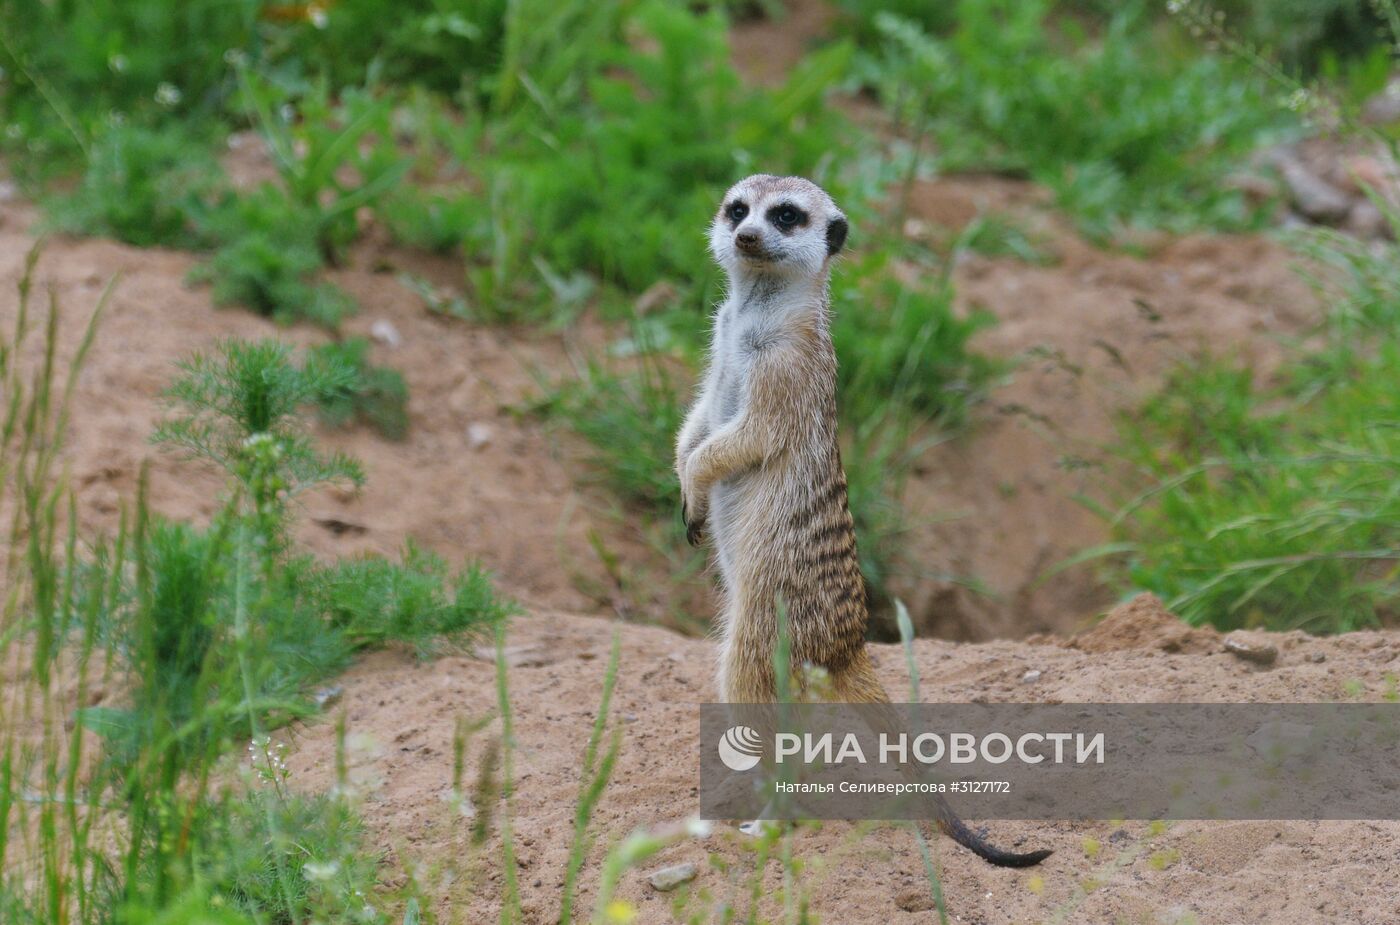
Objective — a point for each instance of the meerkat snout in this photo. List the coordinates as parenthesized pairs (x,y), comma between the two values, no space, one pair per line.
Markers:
(784,226)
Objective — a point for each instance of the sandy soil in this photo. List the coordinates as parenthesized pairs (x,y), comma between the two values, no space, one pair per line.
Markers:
(401,715)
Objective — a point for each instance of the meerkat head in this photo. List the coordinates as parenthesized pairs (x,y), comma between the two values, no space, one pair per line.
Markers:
(779,226)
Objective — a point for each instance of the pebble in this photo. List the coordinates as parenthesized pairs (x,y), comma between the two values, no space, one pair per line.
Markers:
(668,878)
(1312,195)
(1384,107)
(478,435)
(1260,653)
(384,331)
(1366,221)
(327,696)
(1031,676)
(1317,658)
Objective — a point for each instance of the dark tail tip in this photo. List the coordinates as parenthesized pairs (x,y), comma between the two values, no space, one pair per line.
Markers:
(1010,859)
(988,852)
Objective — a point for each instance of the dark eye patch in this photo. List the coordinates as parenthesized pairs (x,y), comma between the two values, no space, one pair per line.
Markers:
(736,211)
(785,217)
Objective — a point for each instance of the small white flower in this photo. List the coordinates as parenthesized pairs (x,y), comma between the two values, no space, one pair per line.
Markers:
(167,94)
(318,17)
(1298,100)
(118,64)
(235,57)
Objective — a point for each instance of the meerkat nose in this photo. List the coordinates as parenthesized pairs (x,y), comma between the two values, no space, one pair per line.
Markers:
(747,237)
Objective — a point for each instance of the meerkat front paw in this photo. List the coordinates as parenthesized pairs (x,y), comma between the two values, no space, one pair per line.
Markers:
(694,526)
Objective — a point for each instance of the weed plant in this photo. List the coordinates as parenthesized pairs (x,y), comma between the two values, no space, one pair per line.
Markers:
(1126,130)
(141,186)
(374,395)
(165,645)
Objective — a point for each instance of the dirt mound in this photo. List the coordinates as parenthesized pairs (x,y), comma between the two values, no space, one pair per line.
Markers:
(402,714)
(1145,623)
(1089,335)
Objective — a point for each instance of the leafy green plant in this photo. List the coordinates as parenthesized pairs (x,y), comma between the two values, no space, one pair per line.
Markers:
(373,601)
(375,395)
(335,155)
(233,402)
(436,221)
(72,69)
(316,865)
(443,45)
(1126,129)
(266,258)
(629,420)
(141,186)
(903,345)
(555,200)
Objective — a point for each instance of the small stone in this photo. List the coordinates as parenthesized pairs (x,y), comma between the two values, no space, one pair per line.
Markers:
(1313,196)
(1257,188)
(1317,658)
(327,696)
(1384,107)
(1251,650)
(384,331)
(668,878)
(1031,676)
(1366,221)
(478,435)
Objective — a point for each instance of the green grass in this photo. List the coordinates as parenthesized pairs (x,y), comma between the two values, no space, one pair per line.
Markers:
(1129,127)
(1276,504)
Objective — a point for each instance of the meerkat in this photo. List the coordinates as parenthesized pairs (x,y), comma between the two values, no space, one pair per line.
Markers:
(760,467)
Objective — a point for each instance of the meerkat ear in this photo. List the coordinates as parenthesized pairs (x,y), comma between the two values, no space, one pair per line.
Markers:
(835,236)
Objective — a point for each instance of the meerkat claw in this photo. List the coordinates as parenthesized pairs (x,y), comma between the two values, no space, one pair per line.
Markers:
(694,532)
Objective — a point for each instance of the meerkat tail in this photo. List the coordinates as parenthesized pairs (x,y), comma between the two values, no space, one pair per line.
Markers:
(948,821)
(949,824)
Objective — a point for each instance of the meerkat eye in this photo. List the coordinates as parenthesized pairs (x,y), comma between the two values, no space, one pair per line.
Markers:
(737,210)
(787,216)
